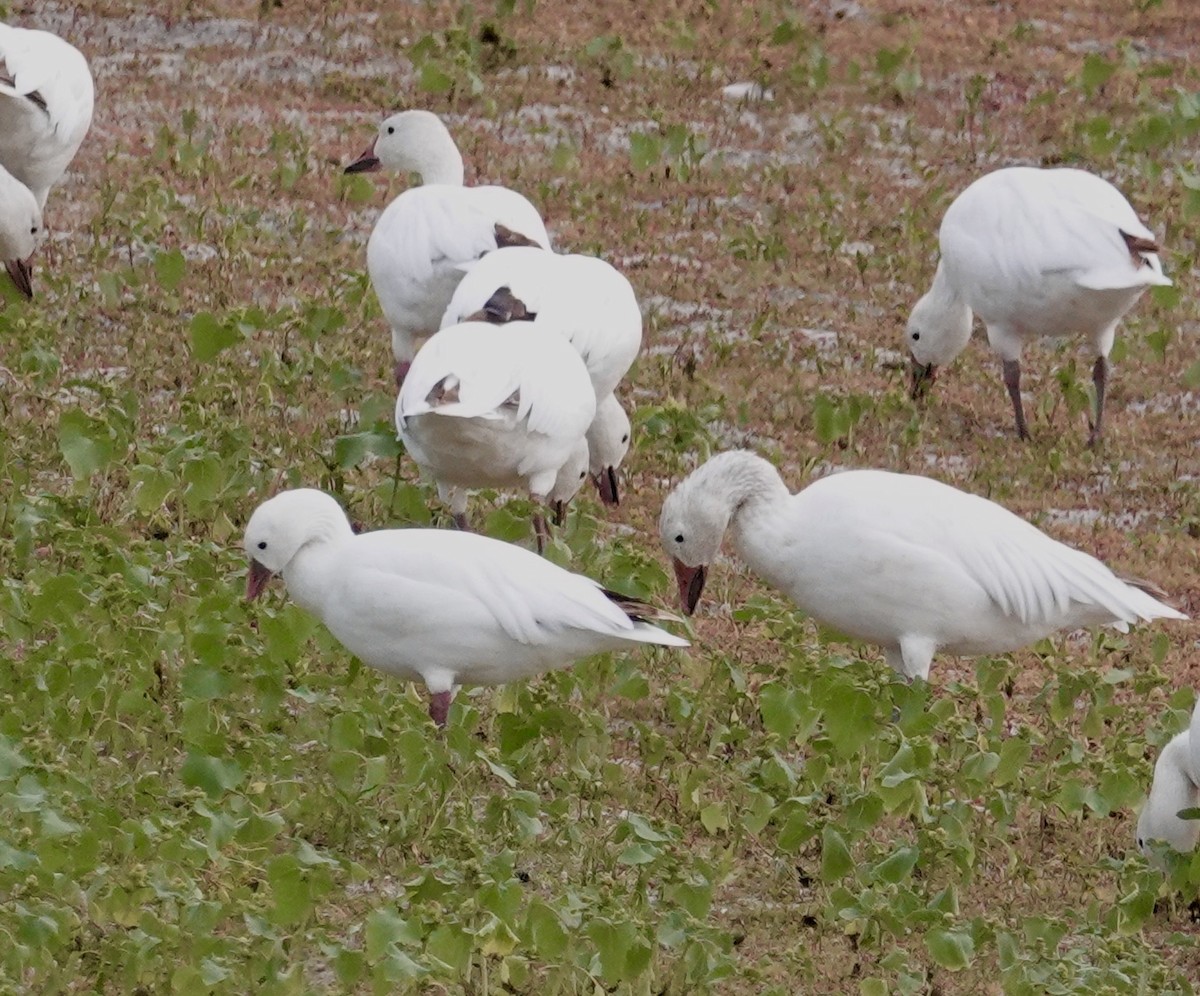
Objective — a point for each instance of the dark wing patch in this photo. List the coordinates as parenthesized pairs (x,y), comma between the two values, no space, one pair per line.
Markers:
(504,306)
(1138,245)
(444,392)
(636,609)
(506,238)
(34,97)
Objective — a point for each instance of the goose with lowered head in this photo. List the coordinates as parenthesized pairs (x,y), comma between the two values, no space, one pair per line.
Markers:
(438,606)
(1033,252)
(904,562)
(1176,787)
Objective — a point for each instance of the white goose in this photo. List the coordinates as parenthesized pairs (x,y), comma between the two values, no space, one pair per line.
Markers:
(488,407)
(1033,252)
(46,100)
(904,562)
(423,237)
(437,606)
(1176,787)
(588,301)
(20,230)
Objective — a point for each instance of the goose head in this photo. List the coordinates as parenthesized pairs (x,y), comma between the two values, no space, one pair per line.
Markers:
(284,525)
(1176,787)
(691,528)
(938,329)
(413,142)
(20,230)
(608,442)
(570,479)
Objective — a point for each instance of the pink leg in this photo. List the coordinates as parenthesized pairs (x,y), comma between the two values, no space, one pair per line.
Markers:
(541,531)
(1012,380)
(439,707)
(401,370)
(1099,379)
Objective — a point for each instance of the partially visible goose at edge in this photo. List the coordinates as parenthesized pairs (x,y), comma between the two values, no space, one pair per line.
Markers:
(46,103)
(438,606)
(421,240)
(1176,787)
(900,561)
(488,407)
(587,300)
(1034,252)
(20,230)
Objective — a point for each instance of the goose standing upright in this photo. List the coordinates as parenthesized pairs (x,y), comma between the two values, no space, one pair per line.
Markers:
(20,229)
(488,407)
(904,562)
(422,239)
(587,300)
(437,606)
(46,103)
(1176,787)
(1033,252)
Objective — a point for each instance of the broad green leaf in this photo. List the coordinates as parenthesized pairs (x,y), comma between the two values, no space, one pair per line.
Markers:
(209,336)
(952,950)
(836,860)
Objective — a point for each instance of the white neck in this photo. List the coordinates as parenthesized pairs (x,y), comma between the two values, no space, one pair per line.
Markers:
(743,484)
(307,573)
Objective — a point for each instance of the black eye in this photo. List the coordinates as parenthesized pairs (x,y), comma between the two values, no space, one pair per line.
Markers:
(33,231)
(1141,843)
(582,474)
(679,538)
(625,438)
(916,336)
(391,129)
(262,545)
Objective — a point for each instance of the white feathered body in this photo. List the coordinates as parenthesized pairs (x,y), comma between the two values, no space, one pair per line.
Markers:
(583,297)
(1040,252)
(46,103)
(454,608)
(1176,787)
(495,407)
(421,241)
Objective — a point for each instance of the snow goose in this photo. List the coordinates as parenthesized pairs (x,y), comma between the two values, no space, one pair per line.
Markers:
(1033,252)
(423,237)
(488,407)
(46,98)
(1176,786)
(20,229)
(588,301)
(438,606)
(904,562)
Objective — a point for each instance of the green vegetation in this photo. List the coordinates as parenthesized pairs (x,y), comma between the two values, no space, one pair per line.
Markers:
(201,796)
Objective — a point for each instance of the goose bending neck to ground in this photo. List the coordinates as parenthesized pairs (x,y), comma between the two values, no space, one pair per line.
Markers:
(442,607)
(46,103)
(586,300)
(428,233)
(1033,252)
(488,407)
(904,562)
(1176,787)
(20,230)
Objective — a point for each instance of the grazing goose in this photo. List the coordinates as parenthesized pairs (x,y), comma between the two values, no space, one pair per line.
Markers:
(46,98)
(1176,787)
(422,239)
(438,606)
(488,407)
(589,302)
(20,230)
(905,562)
(1033,252)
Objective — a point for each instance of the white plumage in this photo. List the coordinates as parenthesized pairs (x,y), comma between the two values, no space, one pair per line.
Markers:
(494,407)
(20,230)
(1034,252)
(442,607)
(1176,787)
(585,299)
(905,562)
(421,240)
(46,101)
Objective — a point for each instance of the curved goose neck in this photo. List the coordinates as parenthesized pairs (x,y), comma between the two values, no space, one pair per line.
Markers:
(436,158)
(306,575)
(746,482)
